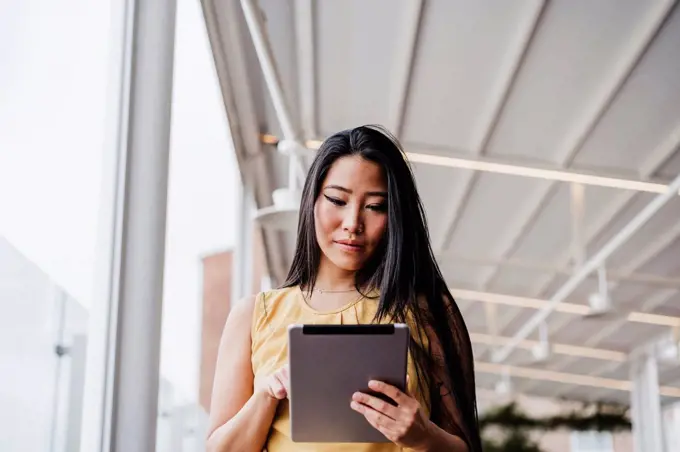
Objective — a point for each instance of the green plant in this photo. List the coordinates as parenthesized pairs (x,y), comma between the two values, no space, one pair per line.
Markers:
(515,425)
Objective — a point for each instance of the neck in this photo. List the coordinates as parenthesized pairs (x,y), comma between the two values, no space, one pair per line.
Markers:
(330,277)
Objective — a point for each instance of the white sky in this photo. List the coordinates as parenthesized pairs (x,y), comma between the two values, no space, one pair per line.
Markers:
(53,89)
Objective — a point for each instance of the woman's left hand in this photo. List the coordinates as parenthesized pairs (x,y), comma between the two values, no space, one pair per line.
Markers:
(405,424)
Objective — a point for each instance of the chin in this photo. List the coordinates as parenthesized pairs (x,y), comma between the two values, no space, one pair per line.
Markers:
(350,265)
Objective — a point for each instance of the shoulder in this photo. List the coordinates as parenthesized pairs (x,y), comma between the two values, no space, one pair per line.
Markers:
(244,308)
(248,306)
(269,304)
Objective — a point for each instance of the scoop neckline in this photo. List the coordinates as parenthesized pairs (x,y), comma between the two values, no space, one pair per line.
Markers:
(343,308)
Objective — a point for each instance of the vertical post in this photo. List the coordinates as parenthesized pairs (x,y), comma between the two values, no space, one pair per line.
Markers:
(578,252)
(645,404)
(124,333)
(75,392)
(242,262)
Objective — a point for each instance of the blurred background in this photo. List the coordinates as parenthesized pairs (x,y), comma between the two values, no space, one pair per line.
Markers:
(151,159)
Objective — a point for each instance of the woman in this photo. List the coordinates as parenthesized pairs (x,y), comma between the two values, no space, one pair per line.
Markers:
(363,255)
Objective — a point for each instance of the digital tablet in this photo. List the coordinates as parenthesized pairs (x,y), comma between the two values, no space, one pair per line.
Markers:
(328,364)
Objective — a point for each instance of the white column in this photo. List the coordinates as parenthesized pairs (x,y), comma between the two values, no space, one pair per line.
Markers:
(75,392)
(122,370)
(242,263)
(645,404)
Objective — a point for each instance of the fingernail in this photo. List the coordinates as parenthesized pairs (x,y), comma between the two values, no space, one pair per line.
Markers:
(354,405)
(373,384)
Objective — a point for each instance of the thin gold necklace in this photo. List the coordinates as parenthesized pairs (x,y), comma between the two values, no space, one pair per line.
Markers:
(322,291)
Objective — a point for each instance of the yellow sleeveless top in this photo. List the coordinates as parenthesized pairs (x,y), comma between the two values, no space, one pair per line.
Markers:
(274,311)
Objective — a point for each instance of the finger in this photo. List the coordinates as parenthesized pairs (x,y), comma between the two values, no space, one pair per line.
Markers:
(378,420)
(284,378)
(390,391)
(277,388)
(377,404)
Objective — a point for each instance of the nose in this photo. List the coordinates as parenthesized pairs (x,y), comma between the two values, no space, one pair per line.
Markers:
(353,222)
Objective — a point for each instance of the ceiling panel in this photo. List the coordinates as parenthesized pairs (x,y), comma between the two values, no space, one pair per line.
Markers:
(460,275)
(632,336)
(462,54)
(463,57)
(562,78)
(656,228)
(646,111)
(549,237)
(355,56)
(513,281)
(667,262)
(671,168)
(671,307)
(438,186)
(484,231)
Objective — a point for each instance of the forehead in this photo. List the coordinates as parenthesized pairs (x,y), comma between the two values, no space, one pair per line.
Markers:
(354,171)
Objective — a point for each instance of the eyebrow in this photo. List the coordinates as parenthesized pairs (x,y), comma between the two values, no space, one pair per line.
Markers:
(348,191)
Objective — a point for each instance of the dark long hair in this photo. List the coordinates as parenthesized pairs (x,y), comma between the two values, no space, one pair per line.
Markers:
(406,274)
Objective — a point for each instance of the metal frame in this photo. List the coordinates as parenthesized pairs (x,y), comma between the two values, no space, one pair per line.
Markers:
(304,34)
(571,146)
(589,266)
(122,374)
(645,405)
(406,50)
(564,307)
(236,88)
(659,156)
(399,87)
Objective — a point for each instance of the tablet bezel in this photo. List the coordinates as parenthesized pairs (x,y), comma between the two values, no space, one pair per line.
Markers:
(324,389)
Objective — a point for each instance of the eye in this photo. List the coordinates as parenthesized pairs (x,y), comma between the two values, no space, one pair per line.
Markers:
(336,201)
(382,207)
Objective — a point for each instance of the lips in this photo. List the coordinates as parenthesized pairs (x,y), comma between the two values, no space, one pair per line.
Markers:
(350,245)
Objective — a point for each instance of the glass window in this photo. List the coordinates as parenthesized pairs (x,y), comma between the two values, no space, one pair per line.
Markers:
(201,224)
(54,58)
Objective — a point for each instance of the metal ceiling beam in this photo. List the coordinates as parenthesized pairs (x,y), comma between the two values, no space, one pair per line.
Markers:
(304,34)
(613,274)
(488,123)
(412,13)
(265,56)
(570,147)
(565,308)
(224,32)
(658,157)
(589,266)
(654,301)
(657,299)
(611,356)
(565,378)
(434,157)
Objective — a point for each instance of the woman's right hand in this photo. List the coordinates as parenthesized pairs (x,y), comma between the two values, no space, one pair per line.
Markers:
(275,385)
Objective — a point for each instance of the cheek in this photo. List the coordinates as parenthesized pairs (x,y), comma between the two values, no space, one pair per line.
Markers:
(326,220)
(376,227)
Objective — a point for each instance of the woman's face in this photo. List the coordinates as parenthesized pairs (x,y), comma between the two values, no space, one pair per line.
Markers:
(350,214)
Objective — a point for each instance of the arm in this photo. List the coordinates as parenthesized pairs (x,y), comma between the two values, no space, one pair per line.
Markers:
(405,424)
(439,439)
(240,417)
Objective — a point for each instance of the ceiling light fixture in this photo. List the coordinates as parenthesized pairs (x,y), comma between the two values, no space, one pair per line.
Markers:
(517,170)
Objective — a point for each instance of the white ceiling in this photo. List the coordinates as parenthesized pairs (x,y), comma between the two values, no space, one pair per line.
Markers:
(578,85)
